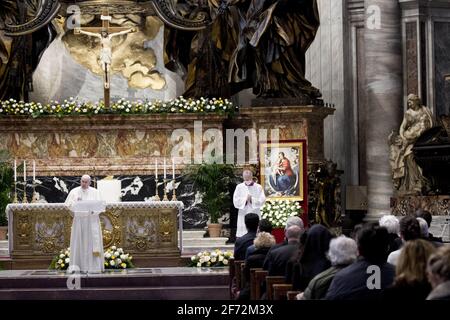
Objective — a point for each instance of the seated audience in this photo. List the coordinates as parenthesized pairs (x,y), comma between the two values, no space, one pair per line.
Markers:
(242,243)
(263,242)
(366,278)
(391,223)
(263,226)
(343,252)
(310,259)
(277,259)
(409,230)
(428,218)
(438,271)
(411,278)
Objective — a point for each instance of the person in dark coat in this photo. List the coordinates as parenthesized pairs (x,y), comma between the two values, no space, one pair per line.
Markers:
(370,274)
(391,223)
(277,259)
(343,252)
(411,282)
(311,258)
(263,242)
(438,271)
(426,215)
(242,243)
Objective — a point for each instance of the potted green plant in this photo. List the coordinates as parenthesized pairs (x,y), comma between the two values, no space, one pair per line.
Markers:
(6,181)
(212,180)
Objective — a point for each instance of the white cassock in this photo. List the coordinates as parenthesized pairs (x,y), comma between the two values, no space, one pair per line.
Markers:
(86,241)
(240,202)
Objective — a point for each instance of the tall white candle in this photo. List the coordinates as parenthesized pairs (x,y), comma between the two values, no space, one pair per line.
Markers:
(165,173)
(24,170)
(15,170)
(173,168)
(34,171)
(156,169)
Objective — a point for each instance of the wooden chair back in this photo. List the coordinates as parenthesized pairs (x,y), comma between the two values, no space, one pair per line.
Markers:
(270,281)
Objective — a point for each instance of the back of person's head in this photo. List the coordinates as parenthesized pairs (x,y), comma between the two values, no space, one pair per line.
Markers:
(373,243)
(409,228)
(424,214)
(251,222)
(295,221)
(438,266)
(265,226)
(391,223)
(317,243)
(412,262)
(423,228)
(356,229)
(343,251)
(293,233)
(264,240)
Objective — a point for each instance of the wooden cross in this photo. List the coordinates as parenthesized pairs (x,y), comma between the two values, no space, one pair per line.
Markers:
(105,33)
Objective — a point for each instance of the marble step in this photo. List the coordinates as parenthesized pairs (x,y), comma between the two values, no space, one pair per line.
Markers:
(4,251)
(4,244)
(193,234)
(208,242)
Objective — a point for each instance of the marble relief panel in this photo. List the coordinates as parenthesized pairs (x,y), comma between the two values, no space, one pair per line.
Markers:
(54,189)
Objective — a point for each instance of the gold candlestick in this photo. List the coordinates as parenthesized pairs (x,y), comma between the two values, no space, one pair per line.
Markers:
(15,200)
(165,191)
(34,197)
(156,197)
(174,196)
(24,199)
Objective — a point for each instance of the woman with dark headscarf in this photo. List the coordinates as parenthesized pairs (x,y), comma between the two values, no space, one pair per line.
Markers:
(311,259)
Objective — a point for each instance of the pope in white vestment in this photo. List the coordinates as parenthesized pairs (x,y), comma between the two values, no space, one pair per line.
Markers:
(248,198)
(86,241)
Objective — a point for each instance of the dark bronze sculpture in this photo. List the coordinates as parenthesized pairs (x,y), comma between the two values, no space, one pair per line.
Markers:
(257,44)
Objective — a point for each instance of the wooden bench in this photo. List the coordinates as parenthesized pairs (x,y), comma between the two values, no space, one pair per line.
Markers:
(292,295)
(238,272)
(253,283)
(260,278)
(280,291)
(231,273)
(270,281)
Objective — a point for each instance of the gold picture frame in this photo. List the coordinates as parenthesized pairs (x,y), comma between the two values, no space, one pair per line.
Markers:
(283,169)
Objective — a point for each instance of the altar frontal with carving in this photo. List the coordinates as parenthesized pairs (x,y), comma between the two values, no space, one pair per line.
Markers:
(146,230)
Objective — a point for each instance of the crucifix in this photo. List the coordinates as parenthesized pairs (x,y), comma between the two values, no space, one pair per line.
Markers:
(105,33)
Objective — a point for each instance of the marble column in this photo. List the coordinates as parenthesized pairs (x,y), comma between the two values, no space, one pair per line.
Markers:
(384,83)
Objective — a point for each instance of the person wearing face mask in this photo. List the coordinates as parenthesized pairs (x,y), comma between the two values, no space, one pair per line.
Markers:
(248,198)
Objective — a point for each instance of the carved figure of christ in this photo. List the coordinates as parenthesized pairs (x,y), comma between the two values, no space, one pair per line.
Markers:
(105,34)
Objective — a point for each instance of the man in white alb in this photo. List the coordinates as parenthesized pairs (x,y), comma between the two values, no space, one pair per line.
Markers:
(248,198)
(86,242)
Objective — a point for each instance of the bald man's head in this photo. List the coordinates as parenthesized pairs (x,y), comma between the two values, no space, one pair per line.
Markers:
(247,175)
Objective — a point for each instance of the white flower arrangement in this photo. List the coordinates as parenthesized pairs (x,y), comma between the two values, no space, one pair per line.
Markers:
(73,106)
(116,258)
(216,258)
(61,260)
(278,211)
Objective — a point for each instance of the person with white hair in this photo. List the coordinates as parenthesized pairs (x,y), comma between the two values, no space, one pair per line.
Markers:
(343,252)
(392,224)
(83,192)
(423,228)
(86,240)
(248,198)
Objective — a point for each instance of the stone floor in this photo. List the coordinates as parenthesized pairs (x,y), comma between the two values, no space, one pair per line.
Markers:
(177,283)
